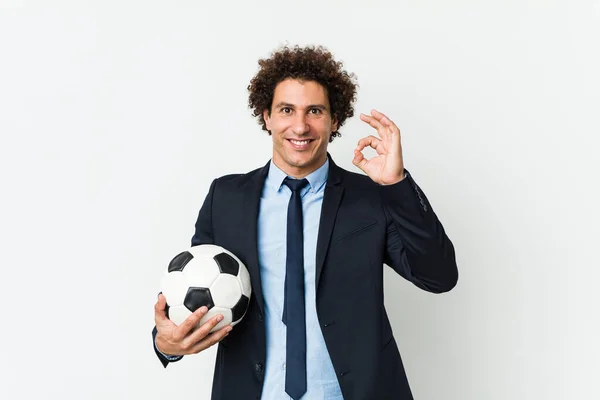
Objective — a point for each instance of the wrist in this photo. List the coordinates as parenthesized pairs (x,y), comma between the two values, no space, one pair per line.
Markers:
(399,179)
(160,346)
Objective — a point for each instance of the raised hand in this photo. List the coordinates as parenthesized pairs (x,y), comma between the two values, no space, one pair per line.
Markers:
(387,167)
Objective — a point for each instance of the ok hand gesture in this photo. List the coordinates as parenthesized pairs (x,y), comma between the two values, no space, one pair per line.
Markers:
(387,167)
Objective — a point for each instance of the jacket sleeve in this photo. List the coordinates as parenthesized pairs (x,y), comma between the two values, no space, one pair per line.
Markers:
(204,226)
(203,235)
(417,246)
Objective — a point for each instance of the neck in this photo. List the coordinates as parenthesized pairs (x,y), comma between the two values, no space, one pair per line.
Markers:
(298,172)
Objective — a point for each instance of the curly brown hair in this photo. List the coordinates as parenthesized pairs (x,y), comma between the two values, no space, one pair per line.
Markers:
(310,63)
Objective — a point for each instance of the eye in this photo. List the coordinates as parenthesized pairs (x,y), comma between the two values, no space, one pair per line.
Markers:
(315,111)
(286,110)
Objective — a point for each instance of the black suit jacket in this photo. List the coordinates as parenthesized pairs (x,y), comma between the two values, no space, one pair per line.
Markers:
(363,225)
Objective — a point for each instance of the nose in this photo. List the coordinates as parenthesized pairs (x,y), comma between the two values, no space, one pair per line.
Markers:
(300,125)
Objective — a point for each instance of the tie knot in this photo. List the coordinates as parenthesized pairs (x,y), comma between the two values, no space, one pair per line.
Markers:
(295,184)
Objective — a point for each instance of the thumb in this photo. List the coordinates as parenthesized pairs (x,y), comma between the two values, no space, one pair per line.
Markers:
(160,315)
(359,160)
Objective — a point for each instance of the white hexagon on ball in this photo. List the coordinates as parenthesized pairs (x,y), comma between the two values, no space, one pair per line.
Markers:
(205,250)
(201,271)
(174,288)
(244,278)
(226,291)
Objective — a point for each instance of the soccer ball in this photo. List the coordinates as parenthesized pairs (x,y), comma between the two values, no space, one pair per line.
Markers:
(207,275)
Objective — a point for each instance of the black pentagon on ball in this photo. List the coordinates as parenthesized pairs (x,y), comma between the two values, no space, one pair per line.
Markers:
(197,297)
(240,308)
(180,261)
(227,264)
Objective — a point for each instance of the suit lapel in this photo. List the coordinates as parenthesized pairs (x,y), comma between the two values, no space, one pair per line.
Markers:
(331,203)
(250,208)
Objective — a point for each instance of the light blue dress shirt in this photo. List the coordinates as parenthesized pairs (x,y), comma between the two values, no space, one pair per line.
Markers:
(322,382)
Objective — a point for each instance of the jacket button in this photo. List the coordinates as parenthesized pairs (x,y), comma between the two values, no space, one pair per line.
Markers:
(260,317)
(258,367)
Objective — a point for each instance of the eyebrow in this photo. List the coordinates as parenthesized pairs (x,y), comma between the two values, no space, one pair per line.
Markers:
(284,104)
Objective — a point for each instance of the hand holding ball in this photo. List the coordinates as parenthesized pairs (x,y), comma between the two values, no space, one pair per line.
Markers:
(207,275)
(205,278)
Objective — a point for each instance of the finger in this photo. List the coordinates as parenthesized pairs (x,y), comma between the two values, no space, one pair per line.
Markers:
(359,160)
(190,323)
(159,309)
(371,121)
(370,141)
(202,331)
(391,128)
(382,130)
(385,121)
(211,339)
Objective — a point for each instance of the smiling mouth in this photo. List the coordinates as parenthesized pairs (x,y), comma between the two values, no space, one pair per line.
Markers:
(300,144)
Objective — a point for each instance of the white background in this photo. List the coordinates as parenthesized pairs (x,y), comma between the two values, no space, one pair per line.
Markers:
(116,115)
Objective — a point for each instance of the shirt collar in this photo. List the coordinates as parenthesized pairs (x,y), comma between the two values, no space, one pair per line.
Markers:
(316,179)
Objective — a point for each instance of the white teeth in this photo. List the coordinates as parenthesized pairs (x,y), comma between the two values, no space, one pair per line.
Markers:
(299,142)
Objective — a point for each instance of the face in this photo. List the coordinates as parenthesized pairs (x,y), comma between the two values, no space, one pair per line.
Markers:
(300,124)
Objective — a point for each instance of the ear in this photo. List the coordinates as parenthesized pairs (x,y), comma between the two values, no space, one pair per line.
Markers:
(267,118)
(334,124)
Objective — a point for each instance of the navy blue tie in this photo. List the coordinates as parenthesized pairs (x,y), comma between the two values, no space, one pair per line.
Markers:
(293,308)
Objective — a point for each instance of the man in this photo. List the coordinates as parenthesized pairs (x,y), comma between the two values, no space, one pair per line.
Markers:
(314,238)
